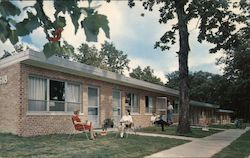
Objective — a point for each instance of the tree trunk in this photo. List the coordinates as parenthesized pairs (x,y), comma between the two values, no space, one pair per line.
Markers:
(184,121)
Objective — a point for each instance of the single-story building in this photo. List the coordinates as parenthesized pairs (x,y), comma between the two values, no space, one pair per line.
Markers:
(223,116)
(38,95)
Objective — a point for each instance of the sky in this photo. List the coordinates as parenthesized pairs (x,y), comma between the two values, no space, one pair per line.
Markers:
(132,33)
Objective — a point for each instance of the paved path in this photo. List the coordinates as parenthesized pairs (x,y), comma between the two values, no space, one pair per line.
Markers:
(204,147)
(168,136)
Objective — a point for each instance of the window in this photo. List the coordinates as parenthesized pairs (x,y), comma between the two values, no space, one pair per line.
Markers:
(37,94)
(51,95)
(56,96)
(132,103)
(73,97)
(93,101)
(176,106)
(116,102)
(148,104)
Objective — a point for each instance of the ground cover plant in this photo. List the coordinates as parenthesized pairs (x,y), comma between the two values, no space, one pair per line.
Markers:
(105,146)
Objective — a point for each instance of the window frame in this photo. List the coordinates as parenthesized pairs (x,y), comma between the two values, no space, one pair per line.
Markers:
(131,107)
(65,112)
(150,110)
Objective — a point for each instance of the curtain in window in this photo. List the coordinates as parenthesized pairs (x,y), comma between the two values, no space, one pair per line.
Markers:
(116,102)
(73,93)
(93,96)
(135,103)
(73,97)
(149,104)
(37,94)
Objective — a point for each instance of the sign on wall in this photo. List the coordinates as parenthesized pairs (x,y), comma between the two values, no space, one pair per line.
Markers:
(3,79)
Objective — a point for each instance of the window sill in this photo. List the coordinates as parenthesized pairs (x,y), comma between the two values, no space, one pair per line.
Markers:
(135,114)
(51,113)
(148,113)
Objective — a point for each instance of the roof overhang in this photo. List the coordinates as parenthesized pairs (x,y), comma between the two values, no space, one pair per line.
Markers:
(225,111)
(38,59)
(202,104)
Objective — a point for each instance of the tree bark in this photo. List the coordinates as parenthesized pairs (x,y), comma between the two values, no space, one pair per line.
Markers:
(184,118)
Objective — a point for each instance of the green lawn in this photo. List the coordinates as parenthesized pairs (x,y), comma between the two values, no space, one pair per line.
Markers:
(171,130)
(105,146)
(225,126)
(240,148)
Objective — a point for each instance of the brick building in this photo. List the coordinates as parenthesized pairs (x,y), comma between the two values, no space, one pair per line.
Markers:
(38,95)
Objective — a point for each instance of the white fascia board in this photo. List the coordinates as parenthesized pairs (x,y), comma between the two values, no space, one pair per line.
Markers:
(55,63)
(202,104)
(11,60)
(225,111)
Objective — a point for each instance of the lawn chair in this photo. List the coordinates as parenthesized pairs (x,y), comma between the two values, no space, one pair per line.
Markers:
(76,131)
(130,129)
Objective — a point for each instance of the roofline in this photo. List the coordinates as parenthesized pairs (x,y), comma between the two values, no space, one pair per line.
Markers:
(38,59)
(225,111)
(202,104)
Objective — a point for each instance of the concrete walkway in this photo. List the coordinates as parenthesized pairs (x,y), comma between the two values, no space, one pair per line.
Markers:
(167,136)
(203,147)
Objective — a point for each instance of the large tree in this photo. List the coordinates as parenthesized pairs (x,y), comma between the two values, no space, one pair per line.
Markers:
(147,74)
(108,58)
(216,25)
(12,29)
(204,87)
(113,59)
(237,70)
(88,55)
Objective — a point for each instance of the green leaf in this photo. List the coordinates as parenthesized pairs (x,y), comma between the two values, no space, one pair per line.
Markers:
(92,24)
(54,48)
(13,37)
(60,22)
(71,7)
(75,17)
(67,50)
(51,48)
(27,25)
(4,30)
(8,9)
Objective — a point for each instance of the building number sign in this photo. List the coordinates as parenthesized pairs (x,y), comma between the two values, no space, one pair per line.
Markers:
(3,79)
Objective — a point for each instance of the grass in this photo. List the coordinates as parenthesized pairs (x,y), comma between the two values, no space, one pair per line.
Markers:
(60,146)
(225,126)
(239,148)
(171,130)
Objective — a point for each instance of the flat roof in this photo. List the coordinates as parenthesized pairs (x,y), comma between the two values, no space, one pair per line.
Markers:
(225,111)
(202,104)
(38,59)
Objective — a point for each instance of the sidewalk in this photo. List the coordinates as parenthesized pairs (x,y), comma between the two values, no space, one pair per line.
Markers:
(203,147)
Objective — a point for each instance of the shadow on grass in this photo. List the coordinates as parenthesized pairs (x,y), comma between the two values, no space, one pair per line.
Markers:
(59,145)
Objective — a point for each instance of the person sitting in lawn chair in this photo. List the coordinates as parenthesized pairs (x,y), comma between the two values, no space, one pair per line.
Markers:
(125,122)
(157,120)
(80,126)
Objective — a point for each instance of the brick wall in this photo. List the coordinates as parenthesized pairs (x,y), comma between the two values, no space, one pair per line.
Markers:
(14,103)
(48,123)
(10,99)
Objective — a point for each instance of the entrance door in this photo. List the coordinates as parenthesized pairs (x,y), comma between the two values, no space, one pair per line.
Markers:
(116,106)
(93,105)
(161,107)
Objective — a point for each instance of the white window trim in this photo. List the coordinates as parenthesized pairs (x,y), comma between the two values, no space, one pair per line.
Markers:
(47,112)
(120,102)
(150,112)
(132,104)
